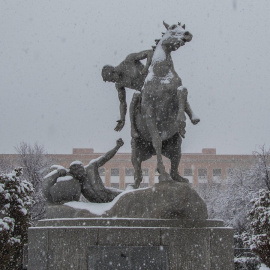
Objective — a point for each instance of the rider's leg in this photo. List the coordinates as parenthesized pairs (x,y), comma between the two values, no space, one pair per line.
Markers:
(185,106)
(181,118)
(192,116)
(135,103)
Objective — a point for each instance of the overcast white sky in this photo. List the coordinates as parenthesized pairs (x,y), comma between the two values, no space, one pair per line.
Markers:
(52,53)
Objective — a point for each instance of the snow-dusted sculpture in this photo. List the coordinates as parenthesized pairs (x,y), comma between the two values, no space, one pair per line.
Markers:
(161,227)
(160,116)
(64,185)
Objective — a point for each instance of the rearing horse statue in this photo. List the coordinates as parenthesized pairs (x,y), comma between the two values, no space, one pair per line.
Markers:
(159,118)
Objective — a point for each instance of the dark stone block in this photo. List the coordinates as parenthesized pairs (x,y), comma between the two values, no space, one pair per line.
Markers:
(128,258)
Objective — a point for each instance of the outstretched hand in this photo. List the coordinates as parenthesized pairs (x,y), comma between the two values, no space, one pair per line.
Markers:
(120,125)
(195,121)
(119,142)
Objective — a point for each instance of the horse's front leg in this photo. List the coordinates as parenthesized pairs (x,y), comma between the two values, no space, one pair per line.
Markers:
(173,152)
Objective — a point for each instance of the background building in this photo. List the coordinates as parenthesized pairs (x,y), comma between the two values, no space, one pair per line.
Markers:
(200,168)
(205,168)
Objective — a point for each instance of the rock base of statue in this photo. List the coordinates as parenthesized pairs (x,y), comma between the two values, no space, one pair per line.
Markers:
(165,200)
(162,227)
(108,243)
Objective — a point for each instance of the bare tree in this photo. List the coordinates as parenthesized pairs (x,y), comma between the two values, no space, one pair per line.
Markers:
(35,163)
(5,166)
(232,203)
(261,169)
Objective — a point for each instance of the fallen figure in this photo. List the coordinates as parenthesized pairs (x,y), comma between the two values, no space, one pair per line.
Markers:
(63,185)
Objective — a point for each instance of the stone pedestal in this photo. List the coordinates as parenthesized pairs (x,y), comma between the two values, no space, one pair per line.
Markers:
(146,244)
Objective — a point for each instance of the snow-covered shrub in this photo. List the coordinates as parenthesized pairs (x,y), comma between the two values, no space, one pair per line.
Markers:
(246,263)
(259,240)
(15,199)
(244,258)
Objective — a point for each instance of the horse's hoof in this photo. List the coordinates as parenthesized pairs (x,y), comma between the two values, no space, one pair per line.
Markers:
(179,178)
(164,178)
(131,187)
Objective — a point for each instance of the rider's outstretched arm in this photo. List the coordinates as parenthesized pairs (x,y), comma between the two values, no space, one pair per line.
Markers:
(149,59)
(109,155)
(123,107)
(142,55)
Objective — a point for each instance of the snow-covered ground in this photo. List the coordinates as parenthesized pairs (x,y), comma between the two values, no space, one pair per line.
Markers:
(263,267)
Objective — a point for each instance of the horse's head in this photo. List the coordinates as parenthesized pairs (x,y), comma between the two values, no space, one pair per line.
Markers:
(175,36)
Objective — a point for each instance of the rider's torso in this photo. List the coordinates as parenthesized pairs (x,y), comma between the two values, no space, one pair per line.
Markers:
(130,75)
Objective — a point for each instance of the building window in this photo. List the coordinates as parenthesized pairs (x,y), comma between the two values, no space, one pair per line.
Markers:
(229,172)
(187,172)
(129,171)
(202,173)
(102,174)
(129,175)
(145,172)
(217,172)
(115,185)
(156,176)
(101,171)
(217,176)
(115,172)
(145,180)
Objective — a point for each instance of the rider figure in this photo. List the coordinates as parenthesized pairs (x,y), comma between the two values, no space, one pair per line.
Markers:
(130,73)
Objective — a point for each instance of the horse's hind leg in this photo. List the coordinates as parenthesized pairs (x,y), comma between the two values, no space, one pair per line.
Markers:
(172,150)
(141,151)
(157,144)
